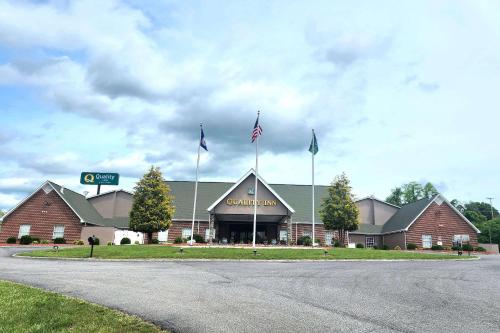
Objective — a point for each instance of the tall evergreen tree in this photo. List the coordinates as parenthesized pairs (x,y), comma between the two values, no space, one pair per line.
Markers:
(152,208)
(338,210)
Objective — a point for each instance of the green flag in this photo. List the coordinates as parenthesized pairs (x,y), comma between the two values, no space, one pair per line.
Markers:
(313,147)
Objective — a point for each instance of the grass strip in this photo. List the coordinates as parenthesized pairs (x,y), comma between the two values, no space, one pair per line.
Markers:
(171,252)
(25,309)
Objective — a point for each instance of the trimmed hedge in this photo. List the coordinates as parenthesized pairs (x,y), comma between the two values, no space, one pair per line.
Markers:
(304,240)
(155,241)
(467,247)
(25,240)
(11,240)
(411,246)
(178,240)
(360,246)
(59,240)
(437,248)
(125,241)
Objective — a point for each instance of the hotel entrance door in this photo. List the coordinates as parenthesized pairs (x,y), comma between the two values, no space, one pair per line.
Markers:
(242,233)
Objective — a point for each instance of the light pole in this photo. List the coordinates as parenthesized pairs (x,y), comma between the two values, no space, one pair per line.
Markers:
(489,224)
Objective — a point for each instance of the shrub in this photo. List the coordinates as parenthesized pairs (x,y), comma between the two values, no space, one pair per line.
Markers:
(360,246)
(78,242)
(44,241)
(35,242)
(25,240)
(125,241)
(97,241)
(397,248)
(109,243)
(336,244)
(282,242)
(456,248)
(375,247)
(11,240)
(137,243)
(178,240)
(198,238)
(385,247)
(155,241)
(304,240)
(411,246)
(480,249)
(467,247)
(59,240)
(35,239)
(436,248)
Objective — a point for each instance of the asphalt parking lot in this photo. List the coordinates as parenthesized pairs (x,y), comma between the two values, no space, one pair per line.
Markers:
(204,296)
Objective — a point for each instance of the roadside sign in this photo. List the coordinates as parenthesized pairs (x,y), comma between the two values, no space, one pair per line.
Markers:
(99,178)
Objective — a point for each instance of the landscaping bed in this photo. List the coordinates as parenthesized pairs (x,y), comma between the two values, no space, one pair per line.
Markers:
(26,309)
(173,252)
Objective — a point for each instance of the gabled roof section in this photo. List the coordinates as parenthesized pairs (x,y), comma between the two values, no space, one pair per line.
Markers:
(408,214)
(108,192)
(79,204)
(75,201)
(245,176)
(368,229)
(377,199)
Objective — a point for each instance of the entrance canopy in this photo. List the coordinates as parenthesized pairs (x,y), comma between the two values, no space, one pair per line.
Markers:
(237,204)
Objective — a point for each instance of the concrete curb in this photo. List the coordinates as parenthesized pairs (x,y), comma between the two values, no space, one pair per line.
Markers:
(239,260)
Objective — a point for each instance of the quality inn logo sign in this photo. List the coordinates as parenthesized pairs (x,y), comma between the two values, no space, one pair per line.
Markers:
(99,178)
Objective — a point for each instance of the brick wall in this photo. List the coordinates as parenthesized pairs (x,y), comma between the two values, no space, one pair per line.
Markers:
(42,211)
(441,222)
(176,227)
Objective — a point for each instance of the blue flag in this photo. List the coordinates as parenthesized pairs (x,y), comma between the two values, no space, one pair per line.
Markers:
(203,143)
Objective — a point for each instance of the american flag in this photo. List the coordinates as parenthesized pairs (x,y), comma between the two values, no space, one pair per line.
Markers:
(257,130)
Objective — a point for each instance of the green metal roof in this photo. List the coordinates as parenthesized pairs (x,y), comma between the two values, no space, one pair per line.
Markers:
(297,196)
(405,215)
(79,204)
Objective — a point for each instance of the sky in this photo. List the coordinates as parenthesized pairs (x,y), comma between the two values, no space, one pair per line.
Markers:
(396,92)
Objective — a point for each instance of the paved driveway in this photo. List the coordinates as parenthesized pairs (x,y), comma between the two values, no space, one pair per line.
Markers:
(447,296)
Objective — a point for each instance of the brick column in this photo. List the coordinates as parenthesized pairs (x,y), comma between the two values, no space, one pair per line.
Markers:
(289,222)
(211,222)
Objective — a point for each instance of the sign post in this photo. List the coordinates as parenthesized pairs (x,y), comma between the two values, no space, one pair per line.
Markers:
(99,178)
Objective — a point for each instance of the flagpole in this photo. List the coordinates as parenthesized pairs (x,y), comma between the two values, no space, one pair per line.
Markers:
(195,190)
(313,217)
(255,195)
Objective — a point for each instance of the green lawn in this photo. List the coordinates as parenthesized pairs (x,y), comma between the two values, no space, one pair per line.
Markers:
(24,309)
(156,251)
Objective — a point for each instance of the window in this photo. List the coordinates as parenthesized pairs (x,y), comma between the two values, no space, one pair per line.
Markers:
(369,241)
(460,239)
(58,232)
(307,233)
(283,235)
(328,237)
(186,232)
(24,230)
(426,241)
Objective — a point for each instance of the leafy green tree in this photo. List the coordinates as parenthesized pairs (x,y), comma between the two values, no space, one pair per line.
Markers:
(475,211)
(338,210)
(485,227)
(152,208)
(482,208)
(396,197)
(411,192)
(2,213)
